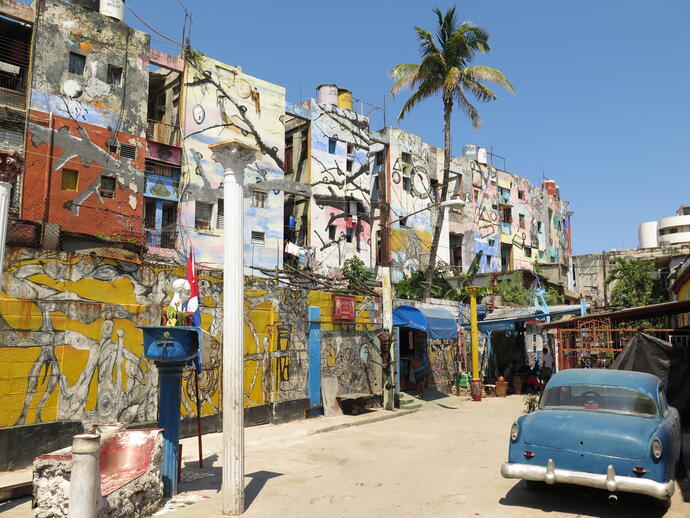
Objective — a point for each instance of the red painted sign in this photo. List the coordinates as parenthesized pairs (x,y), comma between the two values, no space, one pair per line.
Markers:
(343,307)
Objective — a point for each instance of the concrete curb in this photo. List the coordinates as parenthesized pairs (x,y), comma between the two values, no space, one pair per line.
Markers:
(375,419)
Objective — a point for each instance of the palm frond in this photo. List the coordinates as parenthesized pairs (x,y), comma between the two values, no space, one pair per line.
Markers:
(404,75)
(475,37)
(427,46)
(484,73)
(479,90)
(427,89)
(450,82)
(468,109)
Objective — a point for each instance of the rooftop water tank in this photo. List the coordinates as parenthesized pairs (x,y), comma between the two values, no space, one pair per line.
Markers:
(470,151)
(113,8)
(327,94)
(345,98)
(648,235)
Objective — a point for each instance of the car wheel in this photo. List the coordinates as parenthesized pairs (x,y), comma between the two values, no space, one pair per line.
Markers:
(665,504)
(534,485)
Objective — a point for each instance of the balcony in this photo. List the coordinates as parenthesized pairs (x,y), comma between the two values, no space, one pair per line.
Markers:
(163,133)
(159,238)
(506,227)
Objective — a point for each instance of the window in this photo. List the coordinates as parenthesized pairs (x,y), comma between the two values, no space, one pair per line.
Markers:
(349,234)
(220,214)
(539,229)
(150,213)
(407,184)
(350,150)
(528,251)
(348,165)
(257,237)
(475,191)
(107,189)
(332,230)
(407,164)
(158,168)
(521,195)
(114,75)
(70,180)
(76,63)
(259,199)
(128,151)
(492,242)
(521,220)
(288,157)
(380,158)
(331,145)
(507,215)
(202,216)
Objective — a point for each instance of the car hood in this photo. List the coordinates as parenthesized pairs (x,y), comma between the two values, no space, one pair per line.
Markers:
(615,435)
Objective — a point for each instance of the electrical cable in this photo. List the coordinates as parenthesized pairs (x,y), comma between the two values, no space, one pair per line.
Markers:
(151,28)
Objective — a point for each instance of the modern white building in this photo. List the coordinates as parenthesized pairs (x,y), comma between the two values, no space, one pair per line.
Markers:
(673,230)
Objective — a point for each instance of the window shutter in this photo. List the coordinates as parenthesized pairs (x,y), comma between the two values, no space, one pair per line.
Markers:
(220,218)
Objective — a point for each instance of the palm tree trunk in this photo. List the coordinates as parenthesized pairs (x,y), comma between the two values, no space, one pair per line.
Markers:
(447,110)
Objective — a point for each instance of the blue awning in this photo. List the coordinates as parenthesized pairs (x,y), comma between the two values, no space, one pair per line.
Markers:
(438,323)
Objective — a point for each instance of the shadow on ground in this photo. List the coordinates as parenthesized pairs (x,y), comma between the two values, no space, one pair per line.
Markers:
(11,504)
(209,477)
(581,501)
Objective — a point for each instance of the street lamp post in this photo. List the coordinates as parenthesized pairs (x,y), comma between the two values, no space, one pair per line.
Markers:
(388,349)
(476,382)
(234,156)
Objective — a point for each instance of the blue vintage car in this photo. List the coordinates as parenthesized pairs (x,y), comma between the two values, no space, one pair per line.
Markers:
(606,429)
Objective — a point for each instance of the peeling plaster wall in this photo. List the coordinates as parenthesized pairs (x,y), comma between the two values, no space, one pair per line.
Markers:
(62,28)
(248,109)
(90,119)
(340,207)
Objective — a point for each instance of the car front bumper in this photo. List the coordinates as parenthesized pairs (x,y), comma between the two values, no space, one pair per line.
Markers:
(610,481)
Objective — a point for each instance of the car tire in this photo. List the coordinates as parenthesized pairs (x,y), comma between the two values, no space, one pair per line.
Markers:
(534,485)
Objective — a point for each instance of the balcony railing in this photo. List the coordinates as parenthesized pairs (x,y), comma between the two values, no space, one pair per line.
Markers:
(506,227)
(163,133)
(160,238)
(12,98)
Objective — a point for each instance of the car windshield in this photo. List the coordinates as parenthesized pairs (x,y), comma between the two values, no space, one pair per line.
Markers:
(600,398)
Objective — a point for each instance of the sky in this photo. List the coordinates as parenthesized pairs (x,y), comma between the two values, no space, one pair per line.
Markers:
(601,103)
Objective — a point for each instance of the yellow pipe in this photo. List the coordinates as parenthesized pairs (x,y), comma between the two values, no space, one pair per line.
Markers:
(474,333)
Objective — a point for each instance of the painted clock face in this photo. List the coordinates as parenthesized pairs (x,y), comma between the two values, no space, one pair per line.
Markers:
(198,113)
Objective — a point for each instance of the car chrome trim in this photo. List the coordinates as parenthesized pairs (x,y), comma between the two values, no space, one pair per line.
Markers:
(610,481)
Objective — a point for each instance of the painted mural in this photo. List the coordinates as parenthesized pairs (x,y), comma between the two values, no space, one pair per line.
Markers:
(222,103)
(340,206)
(70,348)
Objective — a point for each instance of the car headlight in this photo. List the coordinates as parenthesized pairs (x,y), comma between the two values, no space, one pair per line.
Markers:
(514,431)
(657,449)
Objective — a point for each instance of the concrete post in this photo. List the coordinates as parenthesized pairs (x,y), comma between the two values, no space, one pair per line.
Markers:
(5,191)
(85,484)
(388,356)
(235,156)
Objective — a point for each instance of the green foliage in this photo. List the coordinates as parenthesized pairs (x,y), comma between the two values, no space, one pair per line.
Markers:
(513,293)
(412,287)
(531,402)
(355,270)
(176,318)
(635,283)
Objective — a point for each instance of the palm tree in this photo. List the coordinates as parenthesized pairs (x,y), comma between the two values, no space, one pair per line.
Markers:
(445,69)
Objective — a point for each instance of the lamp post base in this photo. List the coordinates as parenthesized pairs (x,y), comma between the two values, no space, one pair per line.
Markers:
(476,387)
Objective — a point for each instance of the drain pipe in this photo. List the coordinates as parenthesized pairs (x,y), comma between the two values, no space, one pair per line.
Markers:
(84,486)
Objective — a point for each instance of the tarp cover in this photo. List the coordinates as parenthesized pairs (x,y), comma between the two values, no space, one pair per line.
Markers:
(645,353)
(438,323)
